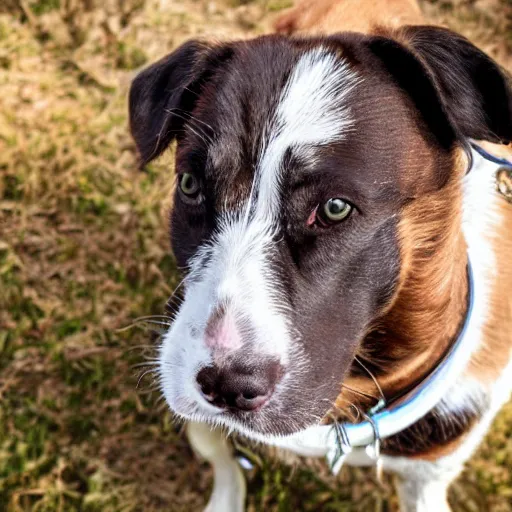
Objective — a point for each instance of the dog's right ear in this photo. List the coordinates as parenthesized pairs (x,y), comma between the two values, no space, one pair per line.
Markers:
(446,75)
(163,95)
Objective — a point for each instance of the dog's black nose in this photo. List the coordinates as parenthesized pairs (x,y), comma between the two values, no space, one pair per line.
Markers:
(239,386)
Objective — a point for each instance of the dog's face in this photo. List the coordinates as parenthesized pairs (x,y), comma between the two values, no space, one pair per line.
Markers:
(295,160)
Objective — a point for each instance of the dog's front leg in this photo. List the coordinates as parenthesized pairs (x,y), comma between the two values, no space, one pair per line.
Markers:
(419,495)
(228,480)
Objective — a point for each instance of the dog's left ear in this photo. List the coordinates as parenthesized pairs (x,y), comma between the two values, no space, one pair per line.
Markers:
(163,95)
(476,94)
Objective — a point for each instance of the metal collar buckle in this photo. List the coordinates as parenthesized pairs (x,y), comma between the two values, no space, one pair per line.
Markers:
(344,448)
(373,449)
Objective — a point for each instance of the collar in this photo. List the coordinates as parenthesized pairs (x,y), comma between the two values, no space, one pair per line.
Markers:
(491,158)
(413,405)
(385,420)
(337,441)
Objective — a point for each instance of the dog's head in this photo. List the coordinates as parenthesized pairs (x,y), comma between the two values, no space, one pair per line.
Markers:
(295,161)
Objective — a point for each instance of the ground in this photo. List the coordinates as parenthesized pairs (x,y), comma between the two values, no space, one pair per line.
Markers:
(84,251)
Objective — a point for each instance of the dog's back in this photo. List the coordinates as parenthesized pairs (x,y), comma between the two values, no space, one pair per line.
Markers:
(330,16)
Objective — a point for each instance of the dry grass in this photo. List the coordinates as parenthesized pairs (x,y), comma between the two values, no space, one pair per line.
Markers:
(84,250)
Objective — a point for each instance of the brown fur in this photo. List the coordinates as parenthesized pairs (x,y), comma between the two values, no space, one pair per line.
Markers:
(431,300)
(417,330)
(326,16)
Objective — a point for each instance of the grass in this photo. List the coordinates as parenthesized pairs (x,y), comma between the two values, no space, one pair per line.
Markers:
(84,251)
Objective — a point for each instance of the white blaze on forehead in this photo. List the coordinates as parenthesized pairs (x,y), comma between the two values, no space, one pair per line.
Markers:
(312,111)
(234,269)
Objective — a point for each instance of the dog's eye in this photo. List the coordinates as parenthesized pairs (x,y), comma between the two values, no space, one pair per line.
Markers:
(332,211)
(189,185)
(336,209)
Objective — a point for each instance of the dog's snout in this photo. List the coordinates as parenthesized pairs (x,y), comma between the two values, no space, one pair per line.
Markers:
(239,387)
(222,331)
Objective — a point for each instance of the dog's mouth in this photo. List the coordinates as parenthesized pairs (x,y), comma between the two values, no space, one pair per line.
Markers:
(281,414)
(260,426)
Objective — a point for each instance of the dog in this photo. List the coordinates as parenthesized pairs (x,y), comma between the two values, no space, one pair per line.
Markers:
(346,253)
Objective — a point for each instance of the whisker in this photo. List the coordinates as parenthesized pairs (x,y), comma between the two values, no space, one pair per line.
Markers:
(152,325)
(143,375)
(372,377)
(173,296)
(154,320)
(362,393)
(143,320)
(190,115)
(143,347)
(154,363)
(149,317)
(358,411)
(154,388)
(190,91)
(195,129)
(160,398)
(194,118)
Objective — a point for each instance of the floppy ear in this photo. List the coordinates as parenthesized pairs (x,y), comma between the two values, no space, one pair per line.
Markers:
(163,95)
(475,93)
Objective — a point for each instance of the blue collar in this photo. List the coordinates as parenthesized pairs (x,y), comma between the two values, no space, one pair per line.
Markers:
(491,158)
(382,412)
(387,419)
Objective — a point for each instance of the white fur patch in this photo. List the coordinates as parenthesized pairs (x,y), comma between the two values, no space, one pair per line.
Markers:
(234,269)
(480,220)
(312,111)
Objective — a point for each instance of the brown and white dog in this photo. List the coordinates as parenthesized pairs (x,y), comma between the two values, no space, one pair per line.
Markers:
(339,251)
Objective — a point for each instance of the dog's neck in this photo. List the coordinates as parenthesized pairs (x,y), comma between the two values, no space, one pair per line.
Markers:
(407,342)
